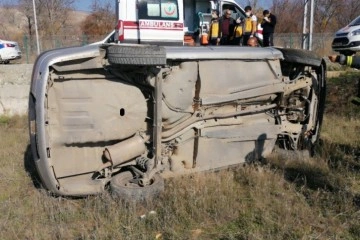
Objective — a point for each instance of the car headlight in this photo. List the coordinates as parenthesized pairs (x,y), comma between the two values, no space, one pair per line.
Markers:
(356,32)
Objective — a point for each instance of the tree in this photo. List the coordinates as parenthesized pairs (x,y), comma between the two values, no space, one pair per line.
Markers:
(26,7)
(289,15)
(348,11)
(326,10)
(102,19)
(53,15)
(330,15)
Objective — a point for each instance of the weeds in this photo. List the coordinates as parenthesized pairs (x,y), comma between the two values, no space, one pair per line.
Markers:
(281,199)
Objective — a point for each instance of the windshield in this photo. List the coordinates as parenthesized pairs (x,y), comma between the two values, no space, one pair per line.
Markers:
(355,22)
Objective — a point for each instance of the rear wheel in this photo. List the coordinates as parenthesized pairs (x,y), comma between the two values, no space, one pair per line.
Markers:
(145,55)
(296,64)
(124,186)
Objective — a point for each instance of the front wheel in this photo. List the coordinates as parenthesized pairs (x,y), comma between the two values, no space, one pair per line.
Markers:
(317,107)
(124,187)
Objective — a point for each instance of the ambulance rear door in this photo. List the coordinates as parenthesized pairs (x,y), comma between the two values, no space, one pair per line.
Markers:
(160,22)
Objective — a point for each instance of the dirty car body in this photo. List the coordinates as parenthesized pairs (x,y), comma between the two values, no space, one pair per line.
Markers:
(99,112)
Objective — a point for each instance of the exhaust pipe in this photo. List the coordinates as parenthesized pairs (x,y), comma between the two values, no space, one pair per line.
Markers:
(124,151)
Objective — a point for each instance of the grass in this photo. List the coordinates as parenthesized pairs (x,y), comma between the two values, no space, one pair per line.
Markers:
(283,199)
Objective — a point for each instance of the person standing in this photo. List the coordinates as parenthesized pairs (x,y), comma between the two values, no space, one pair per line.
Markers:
(214,33)
(250,25)
(238,32)
(268,24)
(226,27)
(351,61)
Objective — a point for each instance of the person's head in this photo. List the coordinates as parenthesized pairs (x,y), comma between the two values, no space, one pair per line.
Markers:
(253,42)
(266,13)
(248,11)
(214,14)
(227,13)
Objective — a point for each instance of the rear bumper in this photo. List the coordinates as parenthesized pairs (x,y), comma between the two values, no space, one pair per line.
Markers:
(14,57)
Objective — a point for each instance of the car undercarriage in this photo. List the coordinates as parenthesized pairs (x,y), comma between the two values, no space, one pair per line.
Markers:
(128,116)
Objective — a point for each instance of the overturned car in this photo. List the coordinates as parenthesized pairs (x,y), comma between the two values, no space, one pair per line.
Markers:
(128,116)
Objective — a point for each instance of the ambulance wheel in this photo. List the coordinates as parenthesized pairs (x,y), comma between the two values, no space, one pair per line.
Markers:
(136,55)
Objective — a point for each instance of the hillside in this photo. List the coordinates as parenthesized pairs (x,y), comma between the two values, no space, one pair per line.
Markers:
(14,24)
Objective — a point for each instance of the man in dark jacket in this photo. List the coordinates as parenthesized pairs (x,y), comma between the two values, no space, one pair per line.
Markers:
(351,61)
(268,25)
(226,27)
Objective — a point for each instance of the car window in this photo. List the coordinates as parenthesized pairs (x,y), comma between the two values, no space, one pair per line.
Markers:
(158,9)
(235,11)
(355,22)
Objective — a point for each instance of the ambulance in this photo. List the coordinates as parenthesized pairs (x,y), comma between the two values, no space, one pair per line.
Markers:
(166,22)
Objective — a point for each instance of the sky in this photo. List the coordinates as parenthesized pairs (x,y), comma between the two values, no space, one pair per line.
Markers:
(85,5)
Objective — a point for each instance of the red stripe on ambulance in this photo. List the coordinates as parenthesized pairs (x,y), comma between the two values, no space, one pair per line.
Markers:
(156,25)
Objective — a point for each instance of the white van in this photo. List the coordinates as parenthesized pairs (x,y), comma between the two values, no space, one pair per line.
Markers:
(166,22)
(347,39)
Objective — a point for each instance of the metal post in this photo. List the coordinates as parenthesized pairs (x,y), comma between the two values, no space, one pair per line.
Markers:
(311,24)
(305,30)
(36,29)
(26,48)
(158,118)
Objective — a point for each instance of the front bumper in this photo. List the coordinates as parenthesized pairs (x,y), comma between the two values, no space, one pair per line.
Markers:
(344,44)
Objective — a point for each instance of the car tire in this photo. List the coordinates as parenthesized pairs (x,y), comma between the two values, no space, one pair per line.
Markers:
(320,92)
(122,188)
(143,55)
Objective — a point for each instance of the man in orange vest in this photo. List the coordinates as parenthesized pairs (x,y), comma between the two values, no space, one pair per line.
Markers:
(250,25)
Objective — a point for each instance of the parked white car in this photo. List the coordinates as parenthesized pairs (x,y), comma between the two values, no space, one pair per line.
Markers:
(347,39)
(9,50)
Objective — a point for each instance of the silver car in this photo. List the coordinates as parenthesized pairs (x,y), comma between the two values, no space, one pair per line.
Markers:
(128,116)
(347,39)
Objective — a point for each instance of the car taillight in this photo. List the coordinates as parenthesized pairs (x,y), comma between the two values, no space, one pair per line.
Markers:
(10,45)
(120,30)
